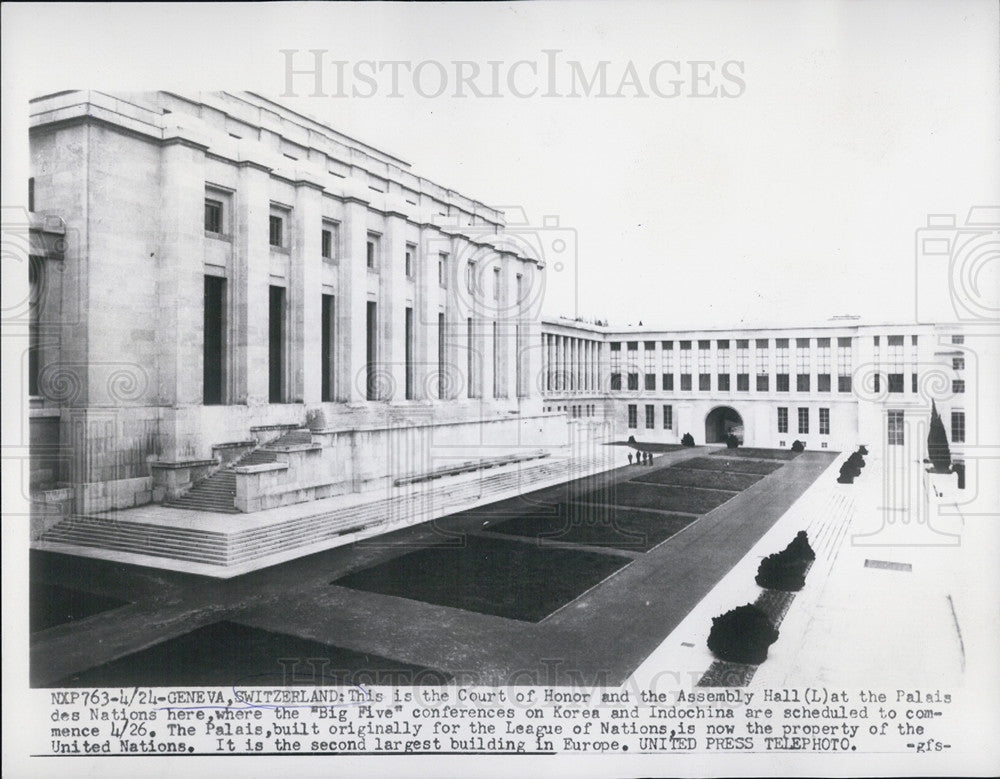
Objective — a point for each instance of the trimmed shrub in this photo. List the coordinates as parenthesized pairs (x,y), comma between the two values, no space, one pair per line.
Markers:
(798,446)
(937,443)
(800,546)
(781,571)
(732,441)
(848,472)
(687,440)
(742,635)
(863,450)
(786,570)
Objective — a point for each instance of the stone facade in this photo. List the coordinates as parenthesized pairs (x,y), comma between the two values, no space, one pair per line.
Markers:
(229,265)
(844,381)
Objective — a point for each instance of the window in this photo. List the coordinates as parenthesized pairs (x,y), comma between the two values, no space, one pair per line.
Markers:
(803,421)
(958,339)
(802,382)
(823,382)
(470,278)
(668,382)
(327,341)
(894,428)
(742,382)
(213,216)
(877,383)
(844,363)
(633,416)
(958,363)
(668,418)
(763,382)
(668,345)
(958,386)
(685,382)
(371,252)
(633,381)
(824,421)
(496,284)
(958,427)
(276,231)
(472,376)
(782,382)
(782,420)
(649,346)
(330,243)
(411,253)
(633,346)
(723,382)
(914,383)
(895,382)
(616,381)
(650,381)
(722,356)
(616,346)
(705,382)
(650,417)
(442,269)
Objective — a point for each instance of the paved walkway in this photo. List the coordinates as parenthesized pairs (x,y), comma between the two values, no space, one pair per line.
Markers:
(885,606)
(598,638)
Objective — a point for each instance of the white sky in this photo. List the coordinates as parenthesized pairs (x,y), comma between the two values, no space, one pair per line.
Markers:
(793,202)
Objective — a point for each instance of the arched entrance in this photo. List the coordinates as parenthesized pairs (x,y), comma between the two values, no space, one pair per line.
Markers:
(720,422)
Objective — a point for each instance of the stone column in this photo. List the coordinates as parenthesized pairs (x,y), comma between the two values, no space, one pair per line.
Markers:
(352,311)
(305,273)
(425,337)
(392,306)
(181,272)
(251,272)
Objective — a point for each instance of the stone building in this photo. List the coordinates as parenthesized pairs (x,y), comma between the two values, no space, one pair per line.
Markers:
(832,386)
(230,271)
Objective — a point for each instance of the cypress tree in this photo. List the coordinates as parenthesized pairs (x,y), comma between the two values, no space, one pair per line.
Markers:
(937,443)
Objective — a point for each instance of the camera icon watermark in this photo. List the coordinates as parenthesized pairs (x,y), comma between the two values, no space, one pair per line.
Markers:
(502,273)
(957,275)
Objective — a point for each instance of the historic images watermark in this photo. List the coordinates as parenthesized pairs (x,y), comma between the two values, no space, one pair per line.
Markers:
(319,73)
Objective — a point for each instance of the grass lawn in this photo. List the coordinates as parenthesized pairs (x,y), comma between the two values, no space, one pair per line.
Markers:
(53,604)
(491,576)
(227,654)
(688,500)
(689,477)
(760,454)
(731,465)
(609,526)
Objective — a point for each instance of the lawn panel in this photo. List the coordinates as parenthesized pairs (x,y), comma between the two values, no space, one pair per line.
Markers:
(608,526)
(53,604)
(689,477)
(732,465)
(225,654)
(688,500)
(491,576)
(760,454)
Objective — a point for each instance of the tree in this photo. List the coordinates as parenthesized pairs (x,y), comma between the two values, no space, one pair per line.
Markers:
(937,443)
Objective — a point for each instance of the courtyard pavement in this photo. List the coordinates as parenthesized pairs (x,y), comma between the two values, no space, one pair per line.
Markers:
(599,637)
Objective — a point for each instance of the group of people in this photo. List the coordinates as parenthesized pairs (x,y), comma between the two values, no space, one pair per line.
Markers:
(641,458)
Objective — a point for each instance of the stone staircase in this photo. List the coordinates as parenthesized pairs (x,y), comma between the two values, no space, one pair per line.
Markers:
(218,491)
(405,506)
